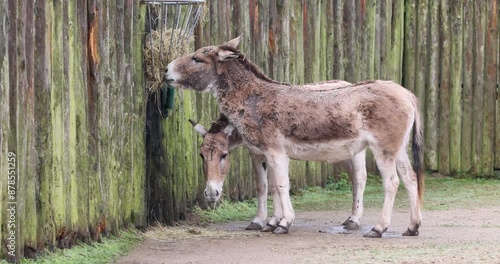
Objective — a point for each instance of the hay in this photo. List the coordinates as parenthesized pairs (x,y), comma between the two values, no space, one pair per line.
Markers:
(161,48)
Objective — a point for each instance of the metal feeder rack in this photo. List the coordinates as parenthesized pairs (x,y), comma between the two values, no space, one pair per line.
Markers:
(179,17)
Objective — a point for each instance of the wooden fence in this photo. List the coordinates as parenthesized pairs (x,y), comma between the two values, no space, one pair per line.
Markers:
(92,153)
(72,111)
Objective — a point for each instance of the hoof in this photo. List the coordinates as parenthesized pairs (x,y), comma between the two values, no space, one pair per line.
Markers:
(408,232)
(373,234)
(268,228)
(351,225)
(347,221)
(281,230)
(254,226)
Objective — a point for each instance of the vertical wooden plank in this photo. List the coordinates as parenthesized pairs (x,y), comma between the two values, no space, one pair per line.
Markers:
(12,143)
(139,114)
(360,67)
(384,56)
(490,88)
(107,158)
(379,28)
(22,165)
(57,124)
(421,64)
(297,168)
(4,119)
(283,44)
(410,55)
(311,39)
(127,180)
(444,134)
(338,42)
(262,48)
(299,48)
(77,133)
(478,82)
(65,235)
(327,22)
(190,148)
(84,168)
(432,90)
(30,178)
(254,27)
(273,33)
(120,139)
(398,33)
(94,182)
(240,25)
(45,230)
(497,129)
(350,31)
(468,89)
(369,33)
(456,13)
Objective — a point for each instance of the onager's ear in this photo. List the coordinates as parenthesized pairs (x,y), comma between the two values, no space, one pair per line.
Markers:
(233,43)
(227,55)
(199,128)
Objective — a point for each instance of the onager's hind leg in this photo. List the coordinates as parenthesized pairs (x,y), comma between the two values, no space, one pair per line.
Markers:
(258,162)
(387,167)
(356,169)
(409,178)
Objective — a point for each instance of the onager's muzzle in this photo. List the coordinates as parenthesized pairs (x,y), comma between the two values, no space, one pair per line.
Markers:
(213,191)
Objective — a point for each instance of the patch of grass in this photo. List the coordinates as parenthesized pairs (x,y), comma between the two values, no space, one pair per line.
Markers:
(441,193)
(228,211)
(104,252)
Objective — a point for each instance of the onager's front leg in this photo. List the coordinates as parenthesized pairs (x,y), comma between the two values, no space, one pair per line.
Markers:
(356,169)
(278,169)
(258,163)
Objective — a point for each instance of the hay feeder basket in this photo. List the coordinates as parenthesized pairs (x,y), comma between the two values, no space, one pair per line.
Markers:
(170,26)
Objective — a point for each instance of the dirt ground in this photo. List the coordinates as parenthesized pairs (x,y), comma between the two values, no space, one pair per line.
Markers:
(452,236)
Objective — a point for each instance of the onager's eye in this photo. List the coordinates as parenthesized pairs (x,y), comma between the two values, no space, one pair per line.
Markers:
(223,156)
(201,155)
(196,59)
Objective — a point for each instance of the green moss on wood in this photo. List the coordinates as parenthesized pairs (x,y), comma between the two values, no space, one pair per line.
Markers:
(456,12)
(478,96)
(490,86)
(432,90)
(444,93)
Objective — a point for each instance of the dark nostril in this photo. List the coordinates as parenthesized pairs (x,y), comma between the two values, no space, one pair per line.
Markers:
(206,194)
(216,193)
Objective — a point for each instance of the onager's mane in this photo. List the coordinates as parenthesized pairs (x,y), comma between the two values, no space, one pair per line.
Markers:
(250,66)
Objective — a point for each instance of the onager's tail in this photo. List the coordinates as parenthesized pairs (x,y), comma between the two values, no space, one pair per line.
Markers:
(417,151)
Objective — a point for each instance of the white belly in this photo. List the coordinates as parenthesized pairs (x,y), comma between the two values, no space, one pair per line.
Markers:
(331,151)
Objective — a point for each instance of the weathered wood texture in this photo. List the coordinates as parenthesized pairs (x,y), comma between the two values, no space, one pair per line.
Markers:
(72,110)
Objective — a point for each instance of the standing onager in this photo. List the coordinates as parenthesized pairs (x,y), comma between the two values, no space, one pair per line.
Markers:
(220,139)
(283,121)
